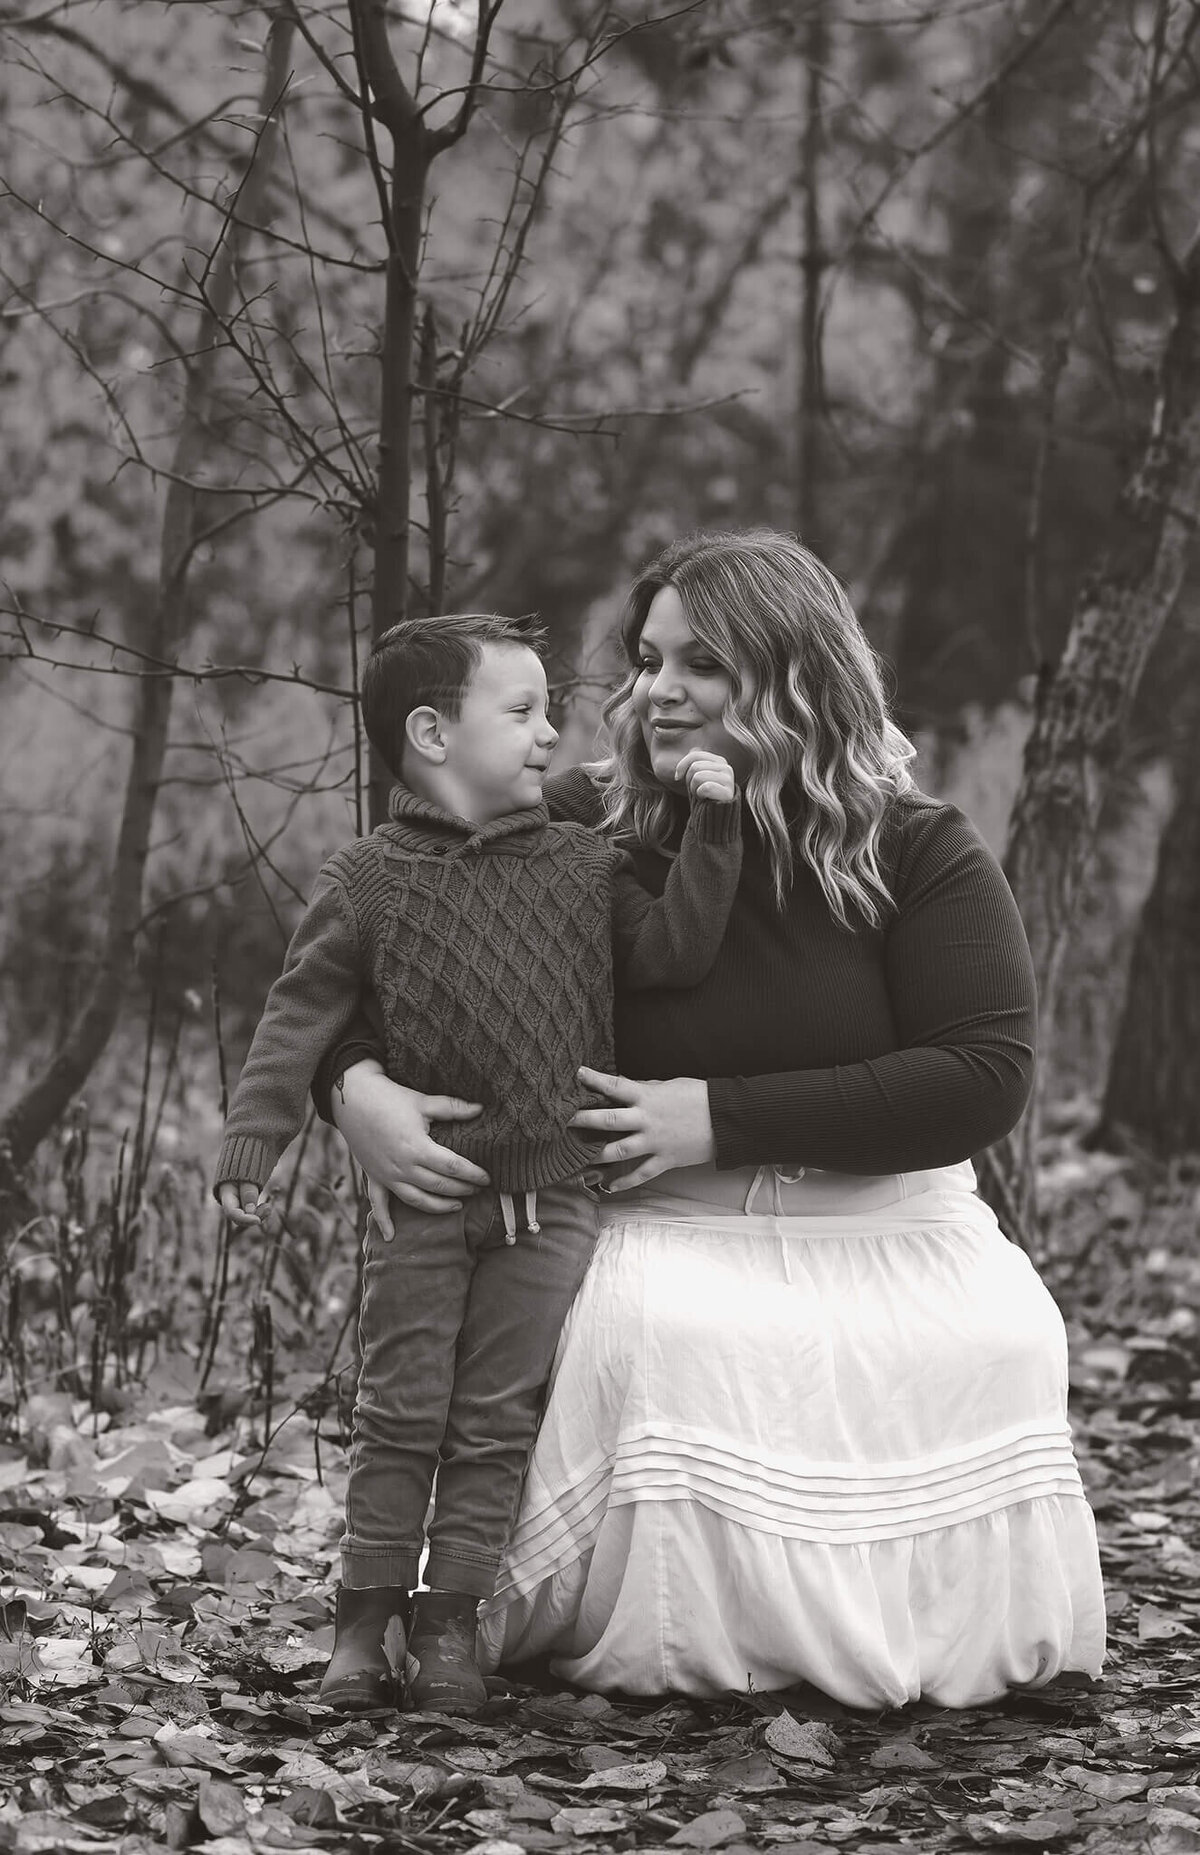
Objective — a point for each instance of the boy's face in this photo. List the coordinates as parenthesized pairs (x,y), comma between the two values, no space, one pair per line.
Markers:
(498,750)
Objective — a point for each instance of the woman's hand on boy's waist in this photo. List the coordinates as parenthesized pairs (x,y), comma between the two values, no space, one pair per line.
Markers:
(386,1126)
(650,1127)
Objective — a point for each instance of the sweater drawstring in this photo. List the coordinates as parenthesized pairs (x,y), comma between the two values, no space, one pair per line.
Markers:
(508,1210)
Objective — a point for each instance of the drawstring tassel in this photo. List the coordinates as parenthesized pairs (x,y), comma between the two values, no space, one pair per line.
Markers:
(752,1194)
(508,1211)
(780,1175)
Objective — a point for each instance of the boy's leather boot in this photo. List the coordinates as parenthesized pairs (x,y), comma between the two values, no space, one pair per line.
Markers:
(443,1675)
(359,1678)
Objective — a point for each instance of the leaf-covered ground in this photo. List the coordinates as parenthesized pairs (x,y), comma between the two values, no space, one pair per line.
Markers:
(164,1612)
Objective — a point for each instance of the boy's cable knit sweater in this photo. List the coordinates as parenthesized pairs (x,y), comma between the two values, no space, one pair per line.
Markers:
(489,951)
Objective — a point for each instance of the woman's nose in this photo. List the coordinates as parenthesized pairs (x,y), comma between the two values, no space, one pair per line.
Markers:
(665,687)
(549,734)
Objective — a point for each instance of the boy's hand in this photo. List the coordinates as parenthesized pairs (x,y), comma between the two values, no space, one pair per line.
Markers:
(243,1204)
(708,776)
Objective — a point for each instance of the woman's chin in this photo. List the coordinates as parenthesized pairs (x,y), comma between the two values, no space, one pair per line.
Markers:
(664,763)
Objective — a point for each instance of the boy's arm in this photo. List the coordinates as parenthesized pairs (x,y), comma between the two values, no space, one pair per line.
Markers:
(673,939)
(307,1009)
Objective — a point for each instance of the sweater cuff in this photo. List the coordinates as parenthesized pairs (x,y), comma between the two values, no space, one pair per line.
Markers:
(332,1068)
(722,1091)
(242,1157)
(717,824)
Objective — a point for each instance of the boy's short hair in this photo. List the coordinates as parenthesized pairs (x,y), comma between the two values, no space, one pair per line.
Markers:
(427,663)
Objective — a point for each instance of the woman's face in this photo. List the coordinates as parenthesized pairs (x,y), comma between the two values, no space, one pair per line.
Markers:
(681,692)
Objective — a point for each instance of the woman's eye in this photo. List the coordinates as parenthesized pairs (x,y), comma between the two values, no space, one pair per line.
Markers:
(705,666)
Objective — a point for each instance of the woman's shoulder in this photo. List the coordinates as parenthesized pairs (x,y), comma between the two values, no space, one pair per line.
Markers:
(925,837)
(573,798)
(912,813)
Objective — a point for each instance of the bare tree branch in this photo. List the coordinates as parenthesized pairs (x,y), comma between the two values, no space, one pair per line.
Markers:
(26,1121)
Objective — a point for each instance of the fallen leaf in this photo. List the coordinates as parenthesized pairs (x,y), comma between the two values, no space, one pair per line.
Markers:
(709,1831)
(221,1806)
(635,1777)
(64,1662)
(902,1755)
(1173,1834)
(1112,1786)
(598,1821)
(191,1750)
(752,1772)
(195,1503)
(1046,1826)
(1182,1797)
(41,1832)
(1155,1625)
(811,1741)
(600,1758)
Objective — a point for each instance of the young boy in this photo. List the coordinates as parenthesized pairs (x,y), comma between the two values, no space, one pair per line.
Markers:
(488,937)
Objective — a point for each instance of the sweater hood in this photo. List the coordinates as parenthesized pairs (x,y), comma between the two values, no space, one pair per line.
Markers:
(417,824)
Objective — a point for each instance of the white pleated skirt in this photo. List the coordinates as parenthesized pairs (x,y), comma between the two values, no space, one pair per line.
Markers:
(823,1439)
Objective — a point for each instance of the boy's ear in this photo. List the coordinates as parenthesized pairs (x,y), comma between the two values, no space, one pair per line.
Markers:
(423,731)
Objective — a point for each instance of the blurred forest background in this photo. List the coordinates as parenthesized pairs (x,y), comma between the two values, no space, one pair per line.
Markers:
(312,313)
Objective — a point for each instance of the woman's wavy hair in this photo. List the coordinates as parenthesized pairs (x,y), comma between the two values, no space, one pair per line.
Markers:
(807,704)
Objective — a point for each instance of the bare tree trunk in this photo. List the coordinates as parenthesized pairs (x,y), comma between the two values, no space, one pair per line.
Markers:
(812,263)
(389,591)
(411,167)
(436,473)
(26,1124)
(1083,709)
(1153,1087)
(387,99)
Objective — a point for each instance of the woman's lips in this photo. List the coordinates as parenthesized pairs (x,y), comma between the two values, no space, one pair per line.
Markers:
(666,729)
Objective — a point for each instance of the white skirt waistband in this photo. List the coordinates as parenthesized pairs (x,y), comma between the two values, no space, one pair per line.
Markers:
(702,1194)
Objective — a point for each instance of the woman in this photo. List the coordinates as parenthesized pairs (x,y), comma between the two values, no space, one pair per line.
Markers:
(808,1418)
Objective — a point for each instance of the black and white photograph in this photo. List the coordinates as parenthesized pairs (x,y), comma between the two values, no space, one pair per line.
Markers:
(600,947)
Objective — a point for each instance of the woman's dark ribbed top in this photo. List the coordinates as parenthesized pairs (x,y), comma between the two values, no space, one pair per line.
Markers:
(862,1050)
(857,1050)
